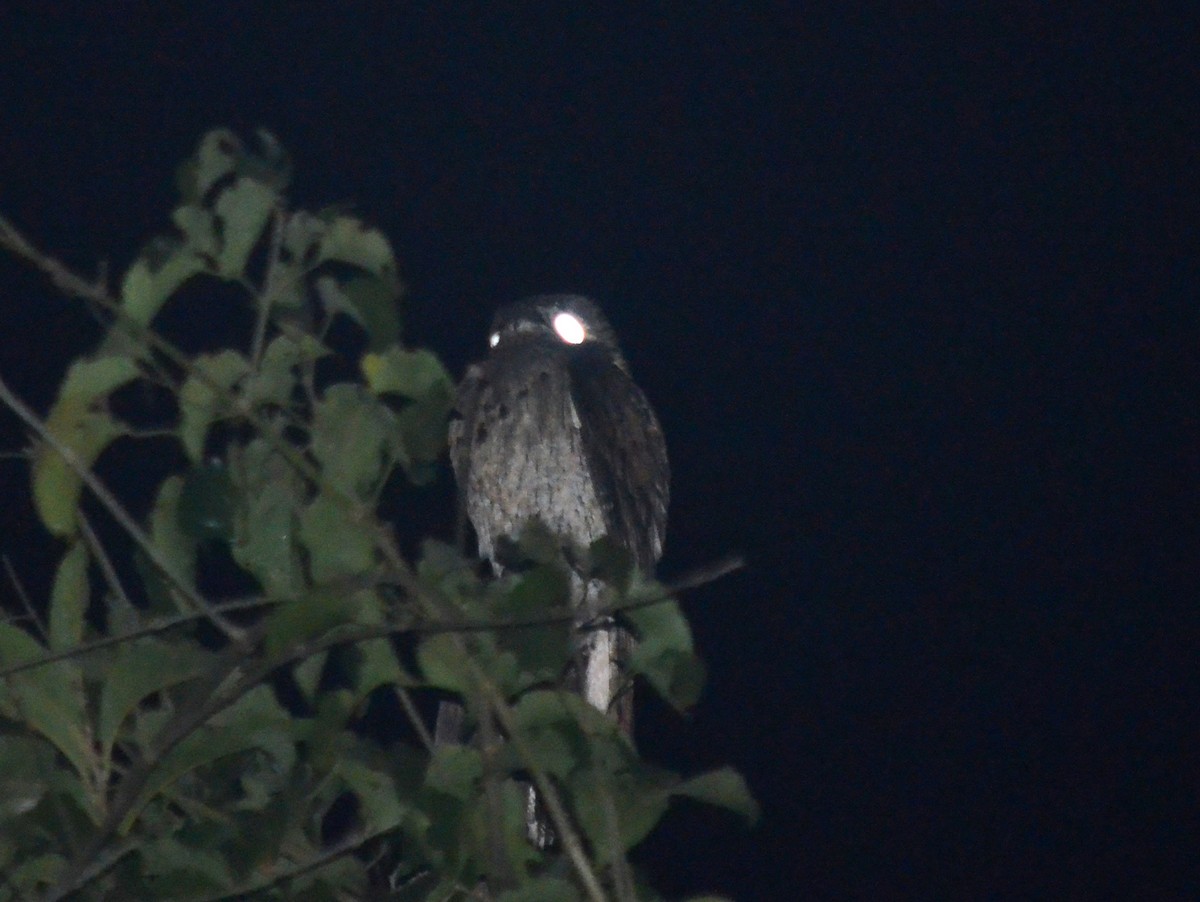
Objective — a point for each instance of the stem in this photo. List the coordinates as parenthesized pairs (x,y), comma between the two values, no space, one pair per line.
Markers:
(118,512)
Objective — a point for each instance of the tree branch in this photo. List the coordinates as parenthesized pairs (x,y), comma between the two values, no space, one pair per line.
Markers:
(118,512)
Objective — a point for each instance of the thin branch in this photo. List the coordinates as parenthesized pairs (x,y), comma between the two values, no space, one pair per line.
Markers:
(117,511)
(24,596)
(621,872)
(414,716)
(210,695)
(495,700)
(333,853)
(76,286)
(102,558)
(62,278)
(265,297)
(100,863)
(166,624)
(693,579)
(705,574)
(563,828)
(153,628)
(500,872)
(362,633)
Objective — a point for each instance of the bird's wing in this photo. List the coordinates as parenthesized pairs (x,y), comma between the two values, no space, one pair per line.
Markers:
(459,439)
(625,451)
(466,405)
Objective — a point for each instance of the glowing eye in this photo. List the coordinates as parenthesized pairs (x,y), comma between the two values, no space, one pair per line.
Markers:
(569,328)
(493,339)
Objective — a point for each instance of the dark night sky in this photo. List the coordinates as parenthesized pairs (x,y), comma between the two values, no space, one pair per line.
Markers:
(915,297)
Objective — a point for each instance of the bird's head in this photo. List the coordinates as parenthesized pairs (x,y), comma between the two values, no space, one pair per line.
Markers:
(565,318)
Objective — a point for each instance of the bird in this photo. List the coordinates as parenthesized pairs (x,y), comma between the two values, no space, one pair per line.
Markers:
(552,427)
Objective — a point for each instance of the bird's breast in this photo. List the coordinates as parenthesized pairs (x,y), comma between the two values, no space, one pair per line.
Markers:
(526,454)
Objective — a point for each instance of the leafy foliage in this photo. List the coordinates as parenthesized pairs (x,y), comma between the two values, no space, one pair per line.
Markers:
(157,742)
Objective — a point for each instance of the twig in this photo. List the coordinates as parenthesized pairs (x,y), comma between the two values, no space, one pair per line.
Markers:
(414,716)
(699,577)
(75,286)
(63,278)
(495,700)
(166,624)
(208,699)
(102,558)
(330,855)
(24,596)
(500,872)
(621,872)
(117,511)
(563,828)
(265,297)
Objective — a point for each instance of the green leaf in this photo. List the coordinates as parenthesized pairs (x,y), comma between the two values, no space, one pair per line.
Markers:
(301,233)
(275,380)
(350,435)
(369,300)
(416,374)
(215,158)
(339,544)
(49,698)
(75,421)
(455,771)
(147,286)
(25,763)
(334,708)
(617,810)
(538,544)
(37,873)
(176,546)
(610,563)
(379,804)
(308,675)
(179,870)
(140,669)
(269,494)
(69,599)
(542,889)
(269,163)
(543,650)
(443,663)
(347,240)
(56,484)
(423,428)
(377,664)
(243,211)
(559,729)
(207,503)
(724,788)
(204,397)
(91,379)
(664,653)
(255,721)
(513,832)
(419,377)
(199,229)
(296,620)
(451,577)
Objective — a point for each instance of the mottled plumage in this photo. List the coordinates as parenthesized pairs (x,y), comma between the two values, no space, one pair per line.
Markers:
(560,432)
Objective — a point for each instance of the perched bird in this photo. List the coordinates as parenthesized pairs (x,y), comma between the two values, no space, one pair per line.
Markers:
(553,427)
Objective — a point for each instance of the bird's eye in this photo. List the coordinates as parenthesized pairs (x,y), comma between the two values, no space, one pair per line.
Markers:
(493,339)
(569,328)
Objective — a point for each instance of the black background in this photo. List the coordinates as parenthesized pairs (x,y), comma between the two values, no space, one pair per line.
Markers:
(914,294)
